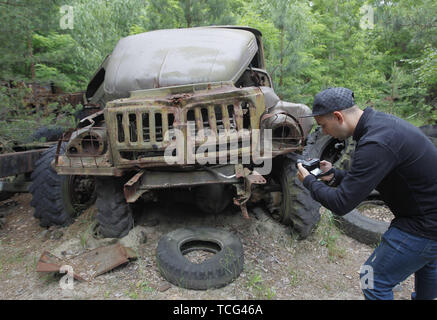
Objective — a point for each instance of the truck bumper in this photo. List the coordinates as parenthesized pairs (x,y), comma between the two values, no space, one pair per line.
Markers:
(149,180)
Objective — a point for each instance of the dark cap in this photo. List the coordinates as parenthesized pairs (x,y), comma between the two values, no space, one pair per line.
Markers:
(332,99)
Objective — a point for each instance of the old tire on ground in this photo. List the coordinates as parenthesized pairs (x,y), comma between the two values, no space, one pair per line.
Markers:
(359,227)
(297,208)
(219,270)
(363,228)
(114,213)
(55,197)
(354,223)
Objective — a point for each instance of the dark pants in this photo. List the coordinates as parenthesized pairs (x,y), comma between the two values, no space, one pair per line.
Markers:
(399,255)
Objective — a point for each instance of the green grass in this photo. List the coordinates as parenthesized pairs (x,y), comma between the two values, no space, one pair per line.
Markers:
(328,234)
(293,277)
(145,287)
(261,290)
(88,233)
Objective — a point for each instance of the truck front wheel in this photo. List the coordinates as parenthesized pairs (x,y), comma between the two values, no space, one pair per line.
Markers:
(295,207)
(57,199)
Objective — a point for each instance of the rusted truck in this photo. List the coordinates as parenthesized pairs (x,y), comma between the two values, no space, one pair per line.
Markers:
(188,114)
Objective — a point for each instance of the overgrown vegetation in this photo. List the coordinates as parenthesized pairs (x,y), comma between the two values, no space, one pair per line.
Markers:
(386,51)
(328,234)
(21,121)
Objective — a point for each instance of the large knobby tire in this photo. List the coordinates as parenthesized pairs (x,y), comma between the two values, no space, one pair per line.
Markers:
(297,208)
(340,154)
(114,213)
(219,270)
(47,134)
(325,147)
(55,197)
(362,228)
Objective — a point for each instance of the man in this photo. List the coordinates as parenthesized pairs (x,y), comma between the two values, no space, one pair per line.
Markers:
(397,159)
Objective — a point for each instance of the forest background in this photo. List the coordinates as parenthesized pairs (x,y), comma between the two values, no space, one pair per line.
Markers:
(385,51)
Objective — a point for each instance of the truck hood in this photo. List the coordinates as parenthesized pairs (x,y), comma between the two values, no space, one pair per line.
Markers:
(175,57)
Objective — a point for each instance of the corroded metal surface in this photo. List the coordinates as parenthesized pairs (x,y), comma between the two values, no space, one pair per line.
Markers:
(207,115)
(90,264)
(18,162)
(144,181)
(244,191)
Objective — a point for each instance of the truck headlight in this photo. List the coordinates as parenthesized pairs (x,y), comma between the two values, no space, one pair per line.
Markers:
(87,142)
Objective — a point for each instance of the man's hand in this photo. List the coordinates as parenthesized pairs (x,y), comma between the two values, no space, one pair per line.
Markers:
(325,166)
(302,172)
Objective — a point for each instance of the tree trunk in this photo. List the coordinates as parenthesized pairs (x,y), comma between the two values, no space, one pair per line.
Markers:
(281,59)
(32,69)
(30,52)
(188,13)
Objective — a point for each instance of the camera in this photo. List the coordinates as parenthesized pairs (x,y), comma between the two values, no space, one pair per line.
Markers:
(309,164)
(312,165)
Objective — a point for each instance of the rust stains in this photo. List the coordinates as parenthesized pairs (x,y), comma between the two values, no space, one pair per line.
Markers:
(90,264)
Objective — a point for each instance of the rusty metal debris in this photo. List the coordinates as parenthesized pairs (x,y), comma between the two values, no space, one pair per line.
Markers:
(18,162)
(88,265)
(244,194)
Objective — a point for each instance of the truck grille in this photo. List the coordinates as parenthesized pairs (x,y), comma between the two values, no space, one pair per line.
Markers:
(141,131)
(213,120)
(145,127)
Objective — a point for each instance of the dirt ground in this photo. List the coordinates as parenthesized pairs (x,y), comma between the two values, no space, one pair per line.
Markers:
(324,266)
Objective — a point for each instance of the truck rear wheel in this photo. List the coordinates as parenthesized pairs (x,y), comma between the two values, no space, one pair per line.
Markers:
(57,199)
(114,213)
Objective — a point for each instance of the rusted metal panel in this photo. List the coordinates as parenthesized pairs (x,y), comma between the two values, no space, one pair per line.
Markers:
(68,168)
(14,186)
(149,180)
(244,192)
(131,188)
(18,162)
(90,264)
(159,180)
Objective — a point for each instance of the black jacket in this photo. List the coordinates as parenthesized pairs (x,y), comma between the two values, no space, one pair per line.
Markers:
(395,158)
